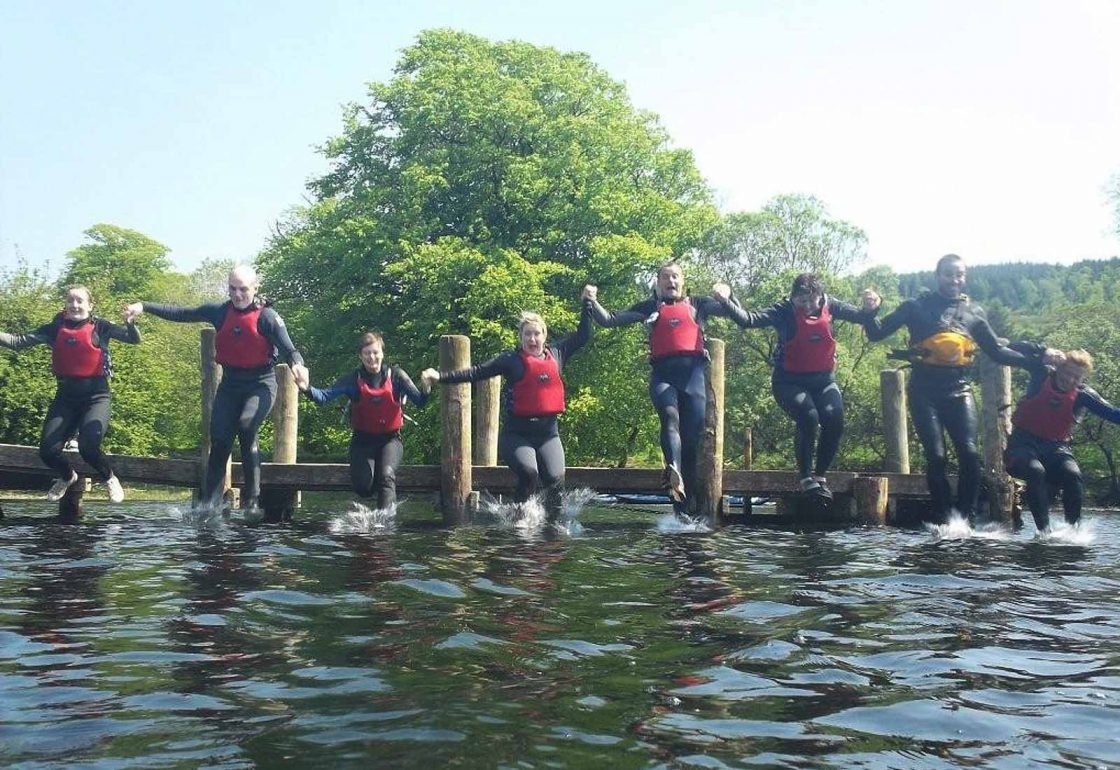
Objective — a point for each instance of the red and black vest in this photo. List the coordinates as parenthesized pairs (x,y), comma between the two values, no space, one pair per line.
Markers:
(377,409)
(239,342)
(812,348)
(1048,413)
(540,393)
(676,332)
(73,353)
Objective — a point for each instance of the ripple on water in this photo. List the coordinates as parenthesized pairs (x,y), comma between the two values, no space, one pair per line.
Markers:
(440,588)
(287,598)
(926,720)
(466,640)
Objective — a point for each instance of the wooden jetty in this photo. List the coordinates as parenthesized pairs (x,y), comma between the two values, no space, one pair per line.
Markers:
(468,459)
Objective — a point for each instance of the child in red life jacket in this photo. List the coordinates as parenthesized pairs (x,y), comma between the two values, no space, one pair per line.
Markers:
(1039,448)
(532,399)
(80,360)
(250,337)
(804,379)
(377,394)
(679,362)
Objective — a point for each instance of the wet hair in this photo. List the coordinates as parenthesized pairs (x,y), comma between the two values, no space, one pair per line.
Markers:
(806,283)
(1080,358)
(369,338)
(84,289)
(947,260)
(527,317)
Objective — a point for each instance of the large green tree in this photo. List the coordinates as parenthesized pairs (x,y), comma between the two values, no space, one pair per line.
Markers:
(485,178)
(118,261)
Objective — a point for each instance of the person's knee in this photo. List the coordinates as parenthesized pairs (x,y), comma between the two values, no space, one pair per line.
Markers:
(50,450)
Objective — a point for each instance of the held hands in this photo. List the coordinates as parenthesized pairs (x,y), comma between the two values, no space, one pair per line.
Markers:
(590,293)
(133,311)
(721,292)
(427,377)
(301,376)
(871,300)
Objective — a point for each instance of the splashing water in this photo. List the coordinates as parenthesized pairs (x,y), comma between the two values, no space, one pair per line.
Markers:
(958,528)
(672,523)
(531,515)
(360,519)
(1081,533)
(201,517)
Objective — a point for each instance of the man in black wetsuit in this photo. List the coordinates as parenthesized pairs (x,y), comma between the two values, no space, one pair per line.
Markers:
(945,328)
(251,336)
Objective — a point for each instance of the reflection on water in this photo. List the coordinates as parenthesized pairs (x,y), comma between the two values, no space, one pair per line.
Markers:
(358,638)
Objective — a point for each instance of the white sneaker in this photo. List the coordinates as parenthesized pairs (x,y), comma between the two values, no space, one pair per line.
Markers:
(59,487)
(116,492)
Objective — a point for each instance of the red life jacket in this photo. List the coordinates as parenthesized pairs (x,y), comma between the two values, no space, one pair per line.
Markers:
(812,348)
(377,410)
(73,353)
(540,393)
(676,332)
(239,343)
(1048,413)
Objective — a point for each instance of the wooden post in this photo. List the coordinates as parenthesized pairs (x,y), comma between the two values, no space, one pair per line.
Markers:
(892,392)
(70,505)
(486,395)
(995,418)
(455,450)
(211,378)
(748,448)
(709,460)
(871,496)
(278,504)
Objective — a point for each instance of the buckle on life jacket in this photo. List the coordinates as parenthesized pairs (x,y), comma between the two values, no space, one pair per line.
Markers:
(946,349)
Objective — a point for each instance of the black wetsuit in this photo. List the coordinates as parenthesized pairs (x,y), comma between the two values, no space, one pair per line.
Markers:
(374,457)
(677,385)
(243,401)
(81,404)
(812,399)
(1046,463)
(941,396)
(530,446)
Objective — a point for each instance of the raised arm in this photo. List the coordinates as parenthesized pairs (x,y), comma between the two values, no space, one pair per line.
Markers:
(503,364)
(128,333)
(986,338)
(44,335)
(403,385)
(212,312)
(845,311)
(573,342)
(1090,400)
(271,325)
(346,385)
(879,329)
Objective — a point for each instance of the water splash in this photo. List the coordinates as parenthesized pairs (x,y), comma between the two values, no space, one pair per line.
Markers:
(362,520)
(958,528)
(204,517)
(672,523)
(531,515)
(1081,533)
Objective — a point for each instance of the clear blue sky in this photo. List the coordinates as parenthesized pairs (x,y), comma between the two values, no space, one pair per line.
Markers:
(982,127)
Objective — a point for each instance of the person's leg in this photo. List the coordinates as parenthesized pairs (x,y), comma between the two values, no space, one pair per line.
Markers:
(362,463)
(93,423)
(958,415)
(693,401)
(795,401)
(1023,463)
(519,455)
(60,424)
(830,407)
(228,402)
(1066,474)
(385,473)
(551,462)
(254,410)
(928,427)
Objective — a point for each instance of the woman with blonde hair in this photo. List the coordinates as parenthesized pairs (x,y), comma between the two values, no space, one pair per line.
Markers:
(532,399)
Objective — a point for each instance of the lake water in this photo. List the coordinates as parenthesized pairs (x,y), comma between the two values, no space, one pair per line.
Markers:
(140,638)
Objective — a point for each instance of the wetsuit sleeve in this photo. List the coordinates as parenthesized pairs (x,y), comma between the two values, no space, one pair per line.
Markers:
(107,330)
(501,365)
(271,325)
(1089,399)
(879,329)
(212,313)
(981,331)
(1032,353)
(404,385)
(634,314)
(346,385)
(845,311)
(573,342)
(44,335)
(754,319)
